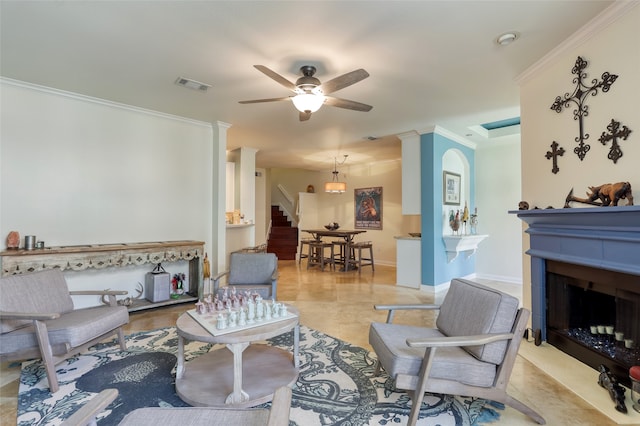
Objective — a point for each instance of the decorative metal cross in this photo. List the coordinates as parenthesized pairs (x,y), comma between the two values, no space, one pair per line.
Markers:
(614,133)
(555,153)
(578,97)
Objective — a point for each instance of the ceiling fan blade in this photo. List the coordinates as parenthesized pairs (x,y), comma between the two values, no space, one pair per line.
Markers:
(347,104)
(256,101)
(277,77)
(343,81)
(304,116)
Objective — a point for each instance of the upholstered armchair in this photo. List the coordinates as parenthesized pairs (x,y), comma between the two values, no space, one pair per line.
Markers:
(277,415)
(471,351)
(38,320)
(251,271)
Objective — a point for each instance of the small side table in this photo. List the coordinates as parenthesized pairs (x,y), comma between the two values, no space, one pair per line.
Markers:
(216,378)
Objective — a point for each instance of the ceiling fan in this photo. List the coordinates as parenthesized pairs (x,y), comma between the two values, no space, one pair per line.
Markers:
(310,94)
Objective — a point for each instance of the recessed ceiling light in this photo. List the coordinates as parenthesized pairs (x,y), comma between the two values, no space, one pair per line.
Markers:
(507,38)
(192,84)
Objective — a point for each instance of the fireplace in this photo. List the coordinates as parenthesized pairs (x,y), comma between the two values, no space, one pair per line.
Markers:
(594,315)
(585,272)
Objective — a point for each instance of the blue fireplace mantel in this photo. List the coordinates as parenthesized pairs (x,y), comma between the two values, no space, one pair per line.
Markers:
(599,237)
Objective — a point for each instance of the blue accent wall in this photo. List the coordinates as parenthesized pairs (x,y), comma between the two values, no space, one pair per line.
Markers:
(435,269)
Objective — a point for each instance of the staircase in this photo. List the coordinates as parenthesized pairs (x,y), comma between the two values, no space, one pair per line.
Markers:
(283,238)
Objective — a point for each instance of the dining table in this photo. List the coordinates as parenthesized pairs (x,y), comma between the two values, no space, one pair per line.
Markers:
(346,234)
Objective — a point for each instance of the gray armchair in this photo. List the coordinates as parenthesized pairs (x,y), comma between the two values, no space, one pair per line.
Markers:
(38,320)
(471,352)
(277,415)
(251,271)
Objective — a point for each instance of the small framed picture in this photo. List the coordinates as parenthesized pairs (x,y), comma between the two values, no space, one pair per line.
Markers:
(451,188)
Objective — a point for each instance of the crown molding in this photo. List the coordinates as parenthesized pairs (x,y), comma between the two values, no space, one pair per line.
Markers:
(449,135)
(90,99)
(601,21)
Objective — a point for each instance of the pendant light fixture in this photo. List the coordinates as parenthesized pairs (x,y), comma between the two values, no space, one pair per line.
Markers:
(335,186)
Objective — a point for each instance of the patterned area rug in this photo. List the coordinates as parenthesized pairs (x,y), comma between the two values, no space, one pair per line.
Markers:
(336,385)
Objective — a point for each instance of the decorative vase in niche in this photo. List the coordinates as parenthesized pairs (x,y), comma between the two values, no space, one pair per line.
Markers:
(474,222)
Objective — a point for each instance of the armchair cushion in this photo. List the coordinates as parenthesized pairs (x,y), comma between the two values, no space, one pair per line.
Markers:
(43,292)
(449,363)
(471,309)
(70,330)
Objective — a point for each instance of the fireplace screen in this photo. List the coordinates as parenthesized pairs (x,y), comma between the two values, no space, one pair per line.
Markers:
(594,316)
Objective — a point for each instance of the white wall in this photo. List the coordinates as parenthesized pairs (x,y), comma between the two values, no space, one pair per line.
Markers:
(498,191)
(609,44)
(615,50)
(77,170)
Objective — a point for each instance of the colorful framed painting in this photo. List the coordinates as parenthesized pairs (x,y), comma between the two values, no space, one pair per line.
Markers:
(368,208)
(451,188)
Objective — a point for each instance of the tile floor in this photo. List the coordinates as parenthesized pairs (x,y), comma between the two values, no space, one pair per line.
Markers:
(341,304)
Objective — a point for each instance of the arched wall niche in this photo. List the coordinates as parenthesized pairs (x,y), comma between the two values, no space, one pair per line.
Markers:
(454,160)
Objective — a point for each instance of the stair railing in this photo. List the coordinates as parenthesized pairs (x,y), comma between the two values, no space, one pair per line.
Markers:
(291,218)
(287,209)
(285,193)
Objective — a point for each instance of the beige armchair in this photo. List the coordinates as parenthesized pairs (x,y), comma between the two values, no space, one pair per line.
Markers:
(277,415)
(38,320)
(471,351)
(251,271)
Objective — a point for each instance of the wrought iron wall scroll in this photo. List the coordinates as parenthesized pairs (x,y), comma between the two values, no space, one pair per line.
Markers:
(615,132)
(555,153)
(577,98)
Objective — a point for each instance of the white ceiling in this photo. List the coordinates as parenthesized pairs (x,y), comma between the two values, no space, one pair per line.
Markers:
(430,63)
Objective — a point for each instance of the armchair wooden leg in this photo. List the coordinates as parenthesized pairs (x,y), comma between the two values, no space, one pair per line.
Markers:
(418,394)
(47,355)
(123,344)
(416,403)
(514,403)
(378,369)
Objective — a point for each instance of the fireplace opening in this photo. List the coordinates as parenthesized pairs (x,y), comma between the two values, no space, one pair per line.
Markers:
(594,315)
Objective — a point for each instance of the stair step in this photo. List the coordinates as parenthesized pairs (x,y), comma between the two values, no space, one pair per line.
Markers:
(284,231)
(281,253)
(283,238)
(283,245)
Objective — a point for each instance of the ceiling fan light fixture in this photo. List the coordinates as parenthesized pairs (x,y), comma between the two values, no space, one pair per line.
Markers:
(308,102)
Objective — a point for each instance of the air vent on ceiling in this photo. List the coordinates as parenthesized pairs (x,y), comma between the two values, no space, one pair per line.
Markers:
(192,84)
